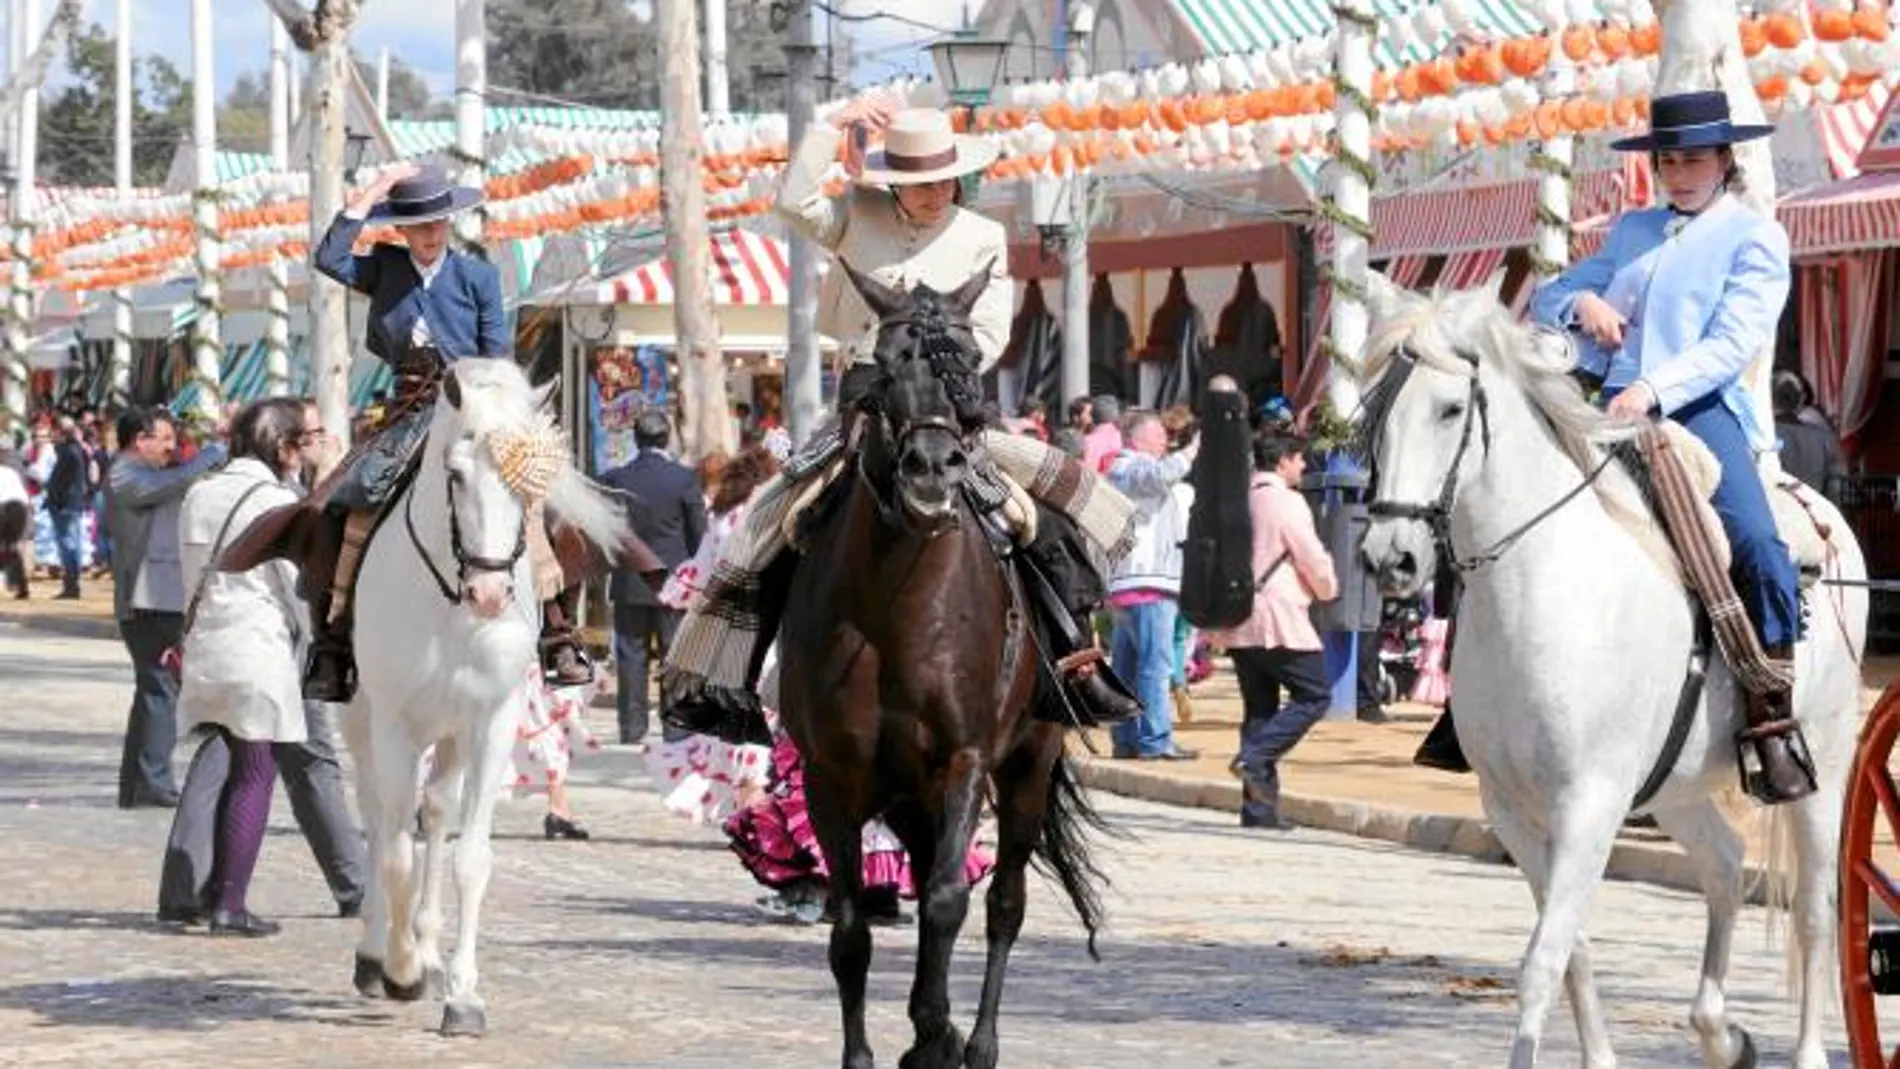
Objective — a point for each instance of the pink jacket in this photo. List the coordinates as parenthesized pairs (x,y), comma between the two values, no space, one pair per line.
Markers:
(1282,526)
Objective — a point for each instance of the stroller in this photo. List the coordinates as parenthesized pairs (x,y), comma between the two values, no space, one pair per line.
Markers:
(1400,643)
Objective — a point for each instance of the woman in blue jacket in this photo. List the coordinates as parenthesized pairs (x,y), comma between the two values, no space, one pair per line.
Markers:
(1669,315)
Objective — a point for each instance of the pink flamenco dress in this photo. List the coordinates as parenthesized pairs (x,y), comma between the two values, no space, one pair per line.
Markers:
(701,779)
(776,843)
(1433,684)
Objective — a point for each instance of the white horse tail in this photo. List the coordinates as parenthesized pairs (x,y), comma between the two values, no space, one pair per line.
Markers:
(1776,884)
(576,501)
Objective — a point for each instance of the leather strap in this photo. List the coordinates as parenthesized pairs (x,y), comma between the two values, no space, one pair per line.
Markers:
(211,562)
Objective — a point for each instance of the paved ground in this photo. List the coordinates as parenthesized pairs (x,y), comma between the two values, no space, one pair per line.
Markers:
(642,948)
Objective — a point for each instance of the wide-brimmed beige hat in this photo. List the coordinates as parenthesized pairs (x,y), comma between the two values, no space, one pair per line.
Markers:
(920,147)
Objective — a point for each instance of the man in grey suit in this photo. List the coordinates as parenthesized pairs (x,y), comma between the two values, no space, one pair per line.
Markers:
(669,515)
(143,495)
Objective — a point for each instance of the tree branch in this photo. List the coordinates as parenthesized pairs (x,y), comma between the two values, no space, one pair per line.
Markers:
(310,30)
(33,72)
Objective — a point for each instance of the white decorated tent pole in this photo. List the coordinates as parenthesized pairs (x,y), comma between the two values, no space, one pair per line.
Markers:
(1555,160)
(206,335)
(1349,209)
(119,369)
(20,279)
(471,91)
(277,333)
(1702,49)
(804,397)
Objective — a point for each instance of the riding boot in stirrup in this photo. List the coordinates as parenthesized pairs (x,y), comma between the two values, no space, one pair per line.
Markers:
(330,668)
(1441,749)
(1102,698)
(562,659)
(1781,769)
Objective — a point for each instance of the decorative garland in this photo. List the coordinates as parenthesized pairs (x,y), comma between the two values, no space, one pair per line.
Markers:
(1349,290)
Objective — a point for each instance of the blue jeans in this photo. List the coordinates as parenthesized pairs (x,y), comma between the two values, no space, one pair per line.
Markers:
(69,526)
(1763,572)
(1142,651)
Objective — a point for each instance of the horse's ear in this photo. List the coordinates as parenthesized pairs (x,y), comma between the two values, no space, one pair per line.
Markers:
(1383,296)
(883,300)
(964,297)
(452,389)
(1493,288)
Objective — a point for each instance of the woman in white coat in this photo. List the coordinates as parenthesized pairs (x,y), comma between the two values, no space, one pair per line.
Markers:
(241,674)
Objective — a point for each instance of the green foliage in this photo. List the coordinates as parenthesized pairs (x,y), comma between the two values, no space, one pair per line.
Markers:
(76,118)
(603,54)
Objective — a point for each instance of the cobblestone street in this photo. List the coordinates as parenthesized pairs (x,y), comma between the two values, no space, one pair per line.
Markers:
(643,947)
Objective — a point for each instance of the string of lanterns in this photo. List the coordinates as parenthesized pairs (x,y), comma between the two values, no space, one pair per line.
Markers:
(1240,111)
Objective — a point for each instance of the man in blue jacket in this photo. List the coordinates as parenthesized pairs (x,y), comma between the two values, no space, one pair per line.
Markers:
(429,305)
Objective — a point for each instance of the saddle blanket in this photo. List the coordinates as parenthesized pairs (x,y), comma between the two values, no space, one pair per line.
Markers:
(713,646)
(1787,498)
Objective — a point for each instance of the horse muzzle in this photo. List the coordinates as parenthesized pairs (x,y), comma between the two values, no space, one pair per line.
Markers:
(1400,555)
(488,594)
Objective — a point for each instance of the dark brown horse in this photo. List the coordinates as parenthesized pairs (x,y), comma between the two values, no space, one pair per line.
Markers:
(907,677)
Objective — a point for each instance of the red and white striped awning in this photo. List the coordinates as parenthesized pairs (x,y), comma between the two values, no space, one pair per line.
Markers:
(1860,213)
(1845,128)
(747,270)
(1440,222)
(1469,270)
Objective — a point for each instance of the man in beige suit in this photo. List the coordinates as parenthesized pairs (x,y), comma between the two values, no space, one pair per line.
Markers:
(901,224)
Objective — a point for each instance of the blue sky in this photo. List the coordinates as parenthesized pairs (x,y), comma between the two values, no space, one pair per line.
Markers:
(421,32)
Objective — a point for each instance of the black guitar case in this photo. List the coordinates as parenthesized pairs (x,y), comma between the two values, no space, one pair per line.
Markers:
(1217,580)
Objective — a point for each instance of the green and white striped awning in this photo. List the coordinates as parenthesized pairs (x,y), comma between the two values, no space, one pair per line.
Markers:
(369,377)
(231,166)
(419,137)
(1227,26)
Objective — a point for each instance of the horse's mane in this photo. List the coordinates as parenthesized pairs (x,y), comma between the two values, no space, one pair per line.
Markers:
(497,398)
(1444,330)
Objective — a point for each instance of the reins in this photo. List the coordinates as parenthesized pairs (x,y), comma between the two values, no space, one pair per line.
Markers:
(1437,514)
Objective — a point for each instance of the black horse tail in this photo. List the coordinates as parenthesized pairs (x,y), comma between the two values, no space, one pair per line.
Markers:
(1063,849)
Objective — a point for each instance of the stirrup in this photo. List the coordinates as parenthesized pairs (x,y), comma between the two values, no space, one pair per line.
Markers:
(1782,767)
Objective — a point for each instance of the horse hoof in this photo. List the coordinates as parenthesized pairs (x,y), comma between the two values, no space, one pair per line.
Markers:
(369,977)
(403,992)
(435,984)
(1748,1056)
(980,1054)
(464,1020)
(945,1051)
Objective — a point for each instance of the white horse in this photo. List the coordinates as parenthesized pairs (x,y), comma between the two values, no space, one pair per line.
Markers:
(447,624)
(1572,648)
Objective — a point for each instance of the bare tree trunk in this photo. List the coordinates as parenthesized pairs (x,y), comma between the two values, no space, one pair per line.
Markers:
(1702,49)
(706,424)
(324,32)
(329,304)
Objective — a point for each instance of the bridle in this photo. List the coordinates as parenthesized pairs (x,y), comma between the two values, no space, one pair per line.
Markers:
(933,346)
(1437,514)
(466,563)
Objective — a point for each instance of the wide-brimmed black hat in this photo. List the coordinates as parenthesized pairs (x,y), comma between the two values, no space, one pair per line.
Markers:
(424,197)
(1690,120)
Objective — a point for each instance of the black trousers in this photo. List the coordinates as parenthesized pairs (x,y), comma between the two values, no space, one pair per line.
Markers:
(637,630)
(1269,727)
(151,730)
(313,780)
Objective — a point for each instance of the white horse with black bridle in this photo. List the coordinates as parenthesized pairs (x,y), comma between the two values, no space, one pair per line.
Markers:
(447,625)
(1573,640)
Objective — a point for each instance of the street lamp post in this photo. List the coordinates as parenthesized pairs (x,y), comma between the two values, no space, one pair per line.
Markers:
(970,67)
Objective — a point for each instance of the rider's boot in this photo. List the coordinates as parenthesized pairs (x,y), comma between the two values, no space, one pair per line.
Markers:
(1441,750)
(1056,586)
(1776,766)
(562,659)
(328,575)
